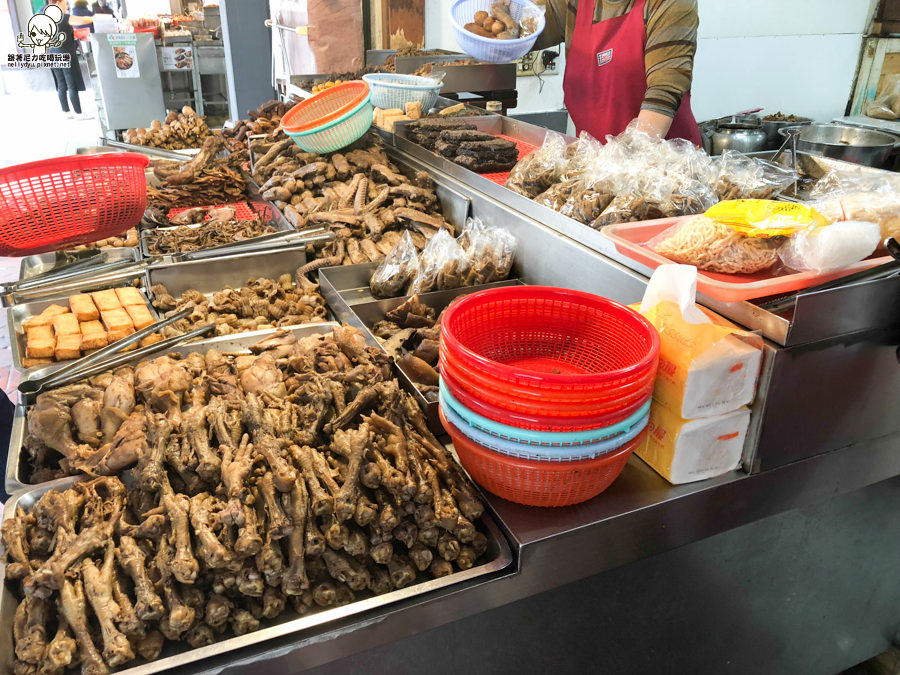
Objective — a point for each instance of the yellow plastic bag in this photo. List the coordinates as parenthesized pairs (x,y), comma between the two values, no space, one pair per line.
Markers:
(707,366)
(764,218)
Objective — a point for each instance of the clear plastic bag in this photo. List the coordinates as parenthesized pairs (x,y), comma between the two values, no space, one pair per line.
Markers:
(442,265)
(873,199)
(712,246)
(490,252)
(539,170)
(831,247)
(530,19)
(887,105)
(397,270)
(742,177)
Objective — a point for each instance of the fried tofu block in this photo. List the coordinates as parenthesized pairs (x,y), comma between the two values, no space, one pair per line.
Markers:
(45,318)
(117,320)
(89,327)
(66,324)
(119,333)
(129,295)
(151,339)
(140,315)
(83,307)
(31,363)
(40,342)
(106,300)
(94,339)
(68,347)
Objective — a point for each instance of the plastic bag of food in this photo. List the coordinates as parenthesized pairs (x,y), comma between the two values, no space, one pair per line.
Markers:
(886,106)
(442,265)
(538,171)
(831,247)
(873,199)
(398,268)
(716,247)
(490,252)
(530,19)
(742,177)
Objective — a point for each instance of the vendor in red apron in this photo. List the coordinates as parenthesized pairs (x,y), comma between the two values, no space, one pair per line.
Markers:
(631,60)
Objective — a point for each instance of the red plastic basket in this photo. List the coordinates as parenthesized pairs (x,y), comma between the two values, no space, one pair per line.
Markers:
(550,339)
(537,483)
(59,203)
(588,401)
(538,422)
(543,406)
(325,106)
(560,418)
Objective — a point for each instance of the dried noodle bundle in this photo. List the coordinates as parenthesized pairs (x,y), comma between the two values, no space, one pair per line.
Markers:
(716,247)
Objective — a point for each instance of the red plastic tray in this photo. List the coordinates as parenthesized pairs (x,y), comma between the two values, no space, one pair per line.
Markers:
(242,210)
(525,149)
(631,240)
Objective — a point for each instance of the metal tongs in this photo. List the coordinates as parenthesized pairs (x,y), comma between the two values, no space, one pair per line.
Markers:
(77,369)
(66,272)
(790,138)
(887,270)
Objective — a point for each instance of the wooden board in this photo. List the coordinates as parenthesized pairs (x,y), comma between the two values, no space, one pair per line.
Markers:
(397,23)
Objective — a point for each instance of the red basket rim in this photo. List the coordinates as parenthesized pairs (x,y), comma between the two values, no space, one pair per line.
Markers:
(315,98)
(534,421)
(546,292)
(536,465)
(541,406)
(579,397)
(65,163)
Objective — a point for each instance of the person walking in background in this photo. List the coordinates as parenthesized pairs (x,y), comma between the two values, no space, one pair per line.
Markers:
(80,8)
(101,7)
(69,80)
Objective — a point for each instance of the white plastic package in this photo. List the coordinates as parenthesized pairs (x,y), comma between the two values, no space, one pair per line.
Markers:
(832,247)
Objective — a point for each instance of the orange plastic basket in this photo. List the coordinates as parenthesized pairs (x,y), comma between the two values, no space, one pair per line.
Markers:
(536,483)
(325,106)
(59,203)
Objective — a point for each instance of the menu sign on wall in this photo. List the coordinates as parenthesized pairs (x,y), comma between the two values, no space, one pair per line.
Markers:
(178,58)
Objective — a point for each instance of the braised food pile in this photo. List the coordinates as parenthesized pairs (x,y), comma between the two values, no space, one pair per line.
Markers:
(179,131)
(206,179)
(260,303)
(209,234)
(359,194)
(127,238)
(291,479)
(498,24)
(264,120)
(411,335)
(462,143)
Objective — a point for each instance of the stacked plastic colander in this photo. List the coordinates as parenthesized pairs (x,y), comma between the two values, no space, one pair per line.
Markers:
(545,391)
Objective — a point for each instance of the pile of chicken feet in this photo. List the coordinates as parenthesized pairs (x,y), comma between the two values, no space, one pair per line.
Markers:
(297,476)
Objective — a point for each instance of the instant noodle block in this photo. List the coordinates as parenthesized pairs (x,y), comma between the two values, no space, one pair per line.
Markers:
(707,365)
(684,450)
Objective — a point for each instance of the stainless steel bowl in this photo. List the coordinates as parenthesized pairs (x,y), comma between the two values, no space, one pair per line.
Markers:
(773,138)
(850,144)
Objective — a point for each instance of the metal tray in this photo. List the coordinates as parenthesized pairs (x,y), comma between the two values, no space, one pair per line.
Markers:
(33,265)
(346,289)
(497,557)
(17,314)
(214,274)
(265,211)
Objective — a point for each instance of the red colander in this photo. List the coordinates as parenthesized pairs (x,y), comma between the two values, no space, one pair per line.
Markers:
(62,202)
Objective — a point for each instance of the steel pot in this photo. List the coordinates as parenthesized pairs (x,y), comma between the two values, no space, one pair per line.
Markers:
(771,127)
(743,137)
(850,144)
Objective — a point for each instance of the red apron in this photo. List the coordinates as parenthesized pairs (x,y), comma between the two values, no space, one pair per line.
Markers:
(606,79)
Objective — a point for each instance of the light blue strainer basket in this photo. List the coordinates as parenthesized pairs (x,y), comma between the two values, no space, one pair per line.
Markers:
(491,49)
(540,453)
(395,90)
